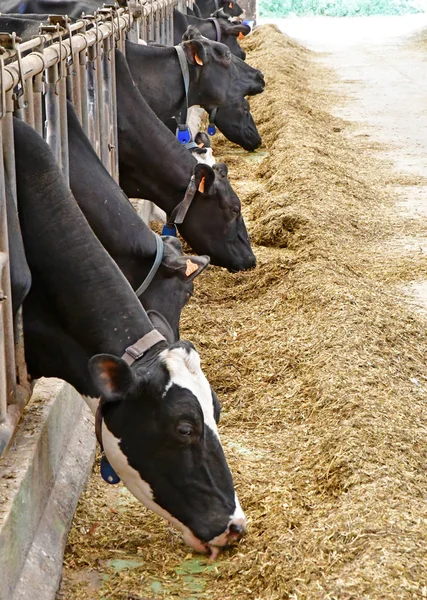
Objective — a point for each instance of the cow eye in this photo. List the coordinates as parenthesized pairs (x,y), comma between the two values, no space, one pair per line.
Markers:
(184,428)
(235,211)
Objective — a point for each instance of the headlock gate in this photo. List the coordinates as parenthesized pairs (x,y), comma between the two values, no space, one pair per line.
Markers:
(73,61)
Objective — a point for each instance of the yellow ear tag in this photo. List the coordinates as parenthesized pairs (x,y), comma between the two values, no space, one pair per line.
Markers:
(240,36)
(201,187)
(191,267)
(198,59)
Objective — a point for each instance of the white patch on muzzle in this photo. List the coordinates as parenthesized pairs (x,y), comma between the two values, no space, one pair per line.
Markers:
(206,158)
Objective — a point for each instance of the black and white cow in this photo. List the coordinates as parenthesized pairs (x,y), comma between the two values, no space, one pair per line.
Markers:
(155,166)
(125,236)
(222,31)
(83,322)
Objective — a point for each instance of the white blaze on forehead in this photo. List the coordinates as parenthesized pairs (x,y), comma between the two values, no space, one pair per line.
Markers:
(184,370)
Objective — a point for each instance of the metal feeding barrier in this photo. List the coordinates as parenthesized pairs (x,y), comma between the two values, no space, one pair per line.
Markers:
(67,60)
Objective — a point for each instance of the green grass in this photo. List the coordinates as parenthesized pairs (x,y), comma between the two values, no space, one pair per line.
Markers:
(340,8)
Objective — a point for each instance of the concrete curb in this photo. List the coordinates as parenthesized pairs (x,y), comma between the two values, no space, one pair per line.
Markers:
(41,478)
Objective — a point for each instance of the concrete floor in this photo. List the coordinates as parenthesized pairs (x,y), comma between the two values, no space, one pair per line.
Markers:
(383,76)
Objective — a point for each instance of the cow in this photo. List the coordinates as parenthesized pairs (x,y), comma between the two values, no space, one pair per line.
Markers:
(155,410)
(216,29)
(125,236)
(208,7)
(216,78)
(155,166)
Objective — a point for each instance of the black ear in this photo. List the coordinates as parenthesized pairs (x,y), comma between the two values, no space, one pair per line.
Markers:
(162,325)
(204,178)
(195,51)
(112,376)
(189,267)
(202,139)
(191,33)
(221,169)
(239,29)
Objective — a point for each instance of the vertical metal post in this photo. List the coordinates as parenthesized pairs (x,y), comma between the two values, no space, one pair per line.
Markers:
(63,128)
(29,99)
(8,160)
(82,62)
(53,125)
(93,110)
(37,101)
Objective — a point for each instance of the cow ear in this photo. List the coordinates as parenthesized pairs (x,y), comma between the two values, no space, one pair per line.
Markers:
(189,267)
(195,52)
(191,33)
(162,325)
(204,178)
(112,376)
(221,169)
(239,30)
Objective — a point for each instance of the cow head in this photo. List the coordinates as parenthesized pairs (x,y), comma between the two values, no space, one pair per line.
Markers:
(236,123)
(173,285)
(218,78)
(160,435)
(214,223)
(231,31)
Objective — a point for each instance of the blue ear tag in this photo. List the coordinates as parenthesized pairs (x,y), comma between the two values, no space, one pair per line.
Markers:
(211,129)
(108,474)
(183,135)
(169,229)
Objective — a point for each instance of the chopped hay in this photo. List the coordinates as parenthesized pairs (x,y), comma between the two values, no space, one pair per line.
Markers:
(321,373)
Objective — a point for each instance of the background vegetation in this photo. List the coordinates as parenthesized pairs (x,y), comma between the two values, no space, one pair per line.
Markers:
(340,8)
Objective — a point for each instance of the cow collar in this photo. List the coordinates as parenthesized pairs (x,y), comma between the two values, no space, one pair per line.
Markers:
(178,214)
(217,27)
(157,262)
(131,354)
(182,131)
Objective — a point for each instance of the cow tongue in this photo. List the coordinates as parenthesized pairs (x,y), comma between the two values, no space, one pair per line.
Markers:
(214,551)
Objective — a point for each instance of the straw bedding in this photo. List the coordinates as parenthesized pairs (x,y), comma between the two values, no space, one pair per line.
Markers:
(321,372)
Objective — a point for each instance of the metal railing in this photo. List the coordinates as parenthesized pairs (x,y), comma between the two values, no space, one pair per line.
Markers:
(74,61)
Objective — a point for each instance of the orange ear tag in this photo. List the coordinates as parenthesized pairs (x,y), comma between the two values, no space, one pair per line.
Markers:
(230,5)
(240,36)
(201,187)
(191,267)
(198,59)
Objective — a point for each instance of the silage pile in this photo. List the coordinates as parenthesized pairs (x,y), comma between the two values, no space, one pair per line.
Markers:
(321,373)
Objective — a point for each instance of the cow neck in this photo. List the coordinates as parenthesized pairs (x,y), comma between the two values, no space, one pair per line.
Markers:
(157,74)
(153,164)
(131,243)
(95,302)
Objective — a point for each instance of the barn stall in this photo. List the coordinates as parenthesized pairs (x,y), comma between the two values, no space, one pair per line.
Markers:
(319,368)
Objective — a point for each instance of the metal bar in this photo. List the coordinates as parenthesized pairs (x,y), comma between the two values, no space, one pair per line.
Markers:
(62,93)
(29,103)
(37,98)
(8,160)
(103,132)
(83,90)
(53,125)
